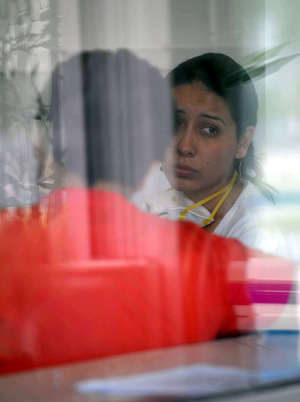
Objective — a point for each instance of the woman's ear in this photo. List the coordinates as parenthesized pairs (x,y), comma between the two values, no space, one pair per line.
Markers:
(244,142)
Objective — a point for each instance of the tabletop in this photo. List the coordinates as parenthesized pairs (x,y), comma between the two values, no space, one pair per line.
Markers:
(210,368)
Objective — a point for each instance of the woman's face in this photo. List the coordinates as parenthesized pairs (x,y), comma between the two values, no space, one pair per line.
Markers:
(200,158)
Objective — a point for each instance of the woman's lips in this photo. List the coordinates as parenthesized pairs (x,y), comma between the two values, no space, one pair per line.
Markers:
(183,170)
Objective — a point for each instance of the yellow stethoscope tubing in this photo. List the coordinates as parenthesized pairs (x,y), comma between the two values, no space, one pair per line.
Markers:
(226,190)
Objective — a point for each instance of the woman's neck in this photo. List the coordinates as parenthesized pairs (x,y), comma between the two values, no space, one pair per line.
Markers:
(235,192)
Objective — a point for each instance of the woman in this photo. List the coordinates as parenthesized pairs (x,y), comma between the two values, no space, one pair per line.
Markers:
(215,178)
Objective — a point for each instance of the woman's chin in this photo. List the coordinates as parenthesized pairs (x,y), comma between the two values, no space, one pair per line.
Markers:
(179,186)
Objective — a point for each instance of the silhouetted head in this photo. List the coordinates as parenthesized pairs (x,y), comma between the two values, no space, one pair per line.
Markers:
(111,115)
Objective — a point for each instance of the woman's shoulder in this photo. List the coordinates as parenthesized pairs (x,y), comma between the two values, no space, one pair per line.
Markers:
(252,199)
(257,223)
(247,210)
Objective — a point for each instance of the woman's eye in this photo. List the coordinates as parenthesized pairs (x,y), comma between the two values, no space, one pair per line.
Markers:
(210,130)
(179,123)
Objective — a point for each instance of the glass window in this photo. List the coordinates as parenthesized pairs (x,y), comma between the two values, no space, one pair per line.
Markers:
(100,130)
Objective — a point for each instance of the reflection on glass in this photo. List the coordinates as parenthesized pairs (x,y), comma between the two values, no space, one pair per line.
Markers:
(84,274)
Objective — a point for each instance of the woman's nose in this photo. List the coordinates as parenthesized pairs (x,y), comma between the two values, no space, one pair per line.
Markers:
(186,145)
